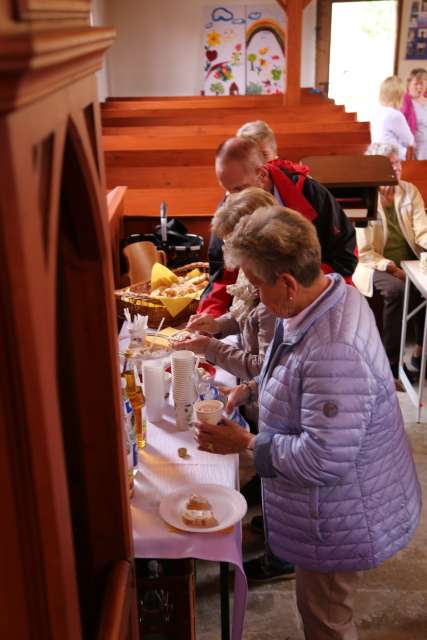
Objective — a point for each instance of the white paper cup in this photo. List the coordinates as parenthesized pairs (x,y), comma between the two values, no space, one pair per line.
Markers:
(153,391)
(209,411)
(184,415)
(423,260)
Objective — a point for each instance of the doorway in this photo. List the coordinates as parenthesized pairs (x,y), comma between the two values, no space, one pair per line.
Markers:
(362,52)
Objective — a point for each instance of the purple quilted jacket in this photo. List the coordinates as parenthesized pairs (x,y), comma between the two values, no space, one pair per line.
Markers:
(340,491)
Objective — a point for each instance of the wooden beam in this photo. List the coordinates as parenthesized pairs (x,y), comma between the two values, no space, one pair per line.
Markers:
(293,45)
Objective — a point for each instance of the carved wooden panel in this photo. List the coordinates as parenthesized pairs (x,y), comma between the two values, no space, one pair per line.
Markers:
(51,9)
(63,488)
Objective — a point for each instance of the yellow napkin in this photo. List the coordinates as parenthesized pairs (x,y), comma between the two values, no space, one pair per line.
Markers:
(162,276)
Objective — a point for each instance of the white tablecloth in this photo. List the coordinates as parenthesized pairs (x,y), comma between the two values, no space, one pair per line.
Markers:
(162,471)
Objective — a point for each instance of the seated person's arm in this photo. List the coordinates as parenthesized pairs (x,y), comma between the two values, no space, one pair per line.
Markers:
(419,217)
(368,256)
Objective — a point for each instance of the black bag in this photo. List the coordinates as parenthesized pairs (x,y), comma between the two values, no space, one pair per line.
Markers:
(180,247)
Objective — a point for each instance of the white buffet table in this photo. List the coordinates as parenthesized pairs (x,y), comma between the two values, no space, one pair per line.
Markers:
(162,471)
(417,278)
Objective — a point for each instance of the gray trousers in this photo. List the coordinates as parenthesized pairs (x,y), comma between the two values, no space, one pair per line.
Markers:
(392,290)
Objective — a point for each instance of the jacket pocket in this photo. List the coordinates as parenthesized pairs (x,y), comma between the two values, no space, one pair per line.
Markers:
(314,512)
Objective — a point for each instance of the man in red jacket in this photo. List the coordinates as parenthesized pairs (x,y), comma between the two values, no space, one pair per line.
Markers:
(240,164)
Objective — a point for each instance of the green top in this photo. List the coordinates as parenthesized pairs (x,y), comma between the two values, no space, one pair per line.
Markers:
(396,249)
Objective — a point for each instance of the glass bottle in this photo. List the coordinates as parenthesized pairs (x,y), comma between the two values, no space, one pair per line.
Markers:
(136,397)
(130,436)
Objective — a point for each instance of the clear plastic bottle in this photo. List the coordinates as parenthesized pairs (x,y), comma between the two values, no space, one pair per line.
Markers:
(130,436)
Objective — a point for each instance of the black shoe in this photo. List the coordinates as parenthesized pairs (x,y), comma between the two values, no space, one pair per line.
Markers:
(416,362)
(411,375)
(257,524)
(261,570)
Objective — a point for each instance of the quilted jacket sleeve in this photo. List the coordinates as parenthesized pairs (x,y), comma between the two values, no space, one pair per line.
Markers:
(337,393)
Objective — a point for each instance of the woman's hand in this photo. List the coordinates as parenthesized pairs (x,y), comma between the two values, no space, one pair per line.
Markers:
(386,196)
(236,396)
(197,344)
(226,437)
(203,322)
(395,271)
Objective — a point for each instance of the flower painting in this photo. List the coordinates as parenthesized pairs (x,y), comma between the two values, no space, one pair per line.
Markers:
(224,50)
(244,50)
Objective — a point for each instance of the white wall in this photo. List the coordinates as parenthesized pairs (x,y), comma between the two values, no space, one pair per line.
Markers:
(158,50)
(99,18)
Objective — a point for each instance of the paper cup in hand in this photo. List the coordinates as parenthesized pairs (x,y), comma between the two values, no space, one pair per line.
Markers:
(209,411)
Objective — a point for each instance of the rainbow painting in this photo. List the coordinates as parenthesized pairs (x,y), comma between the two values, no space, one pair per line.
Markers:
(265,49)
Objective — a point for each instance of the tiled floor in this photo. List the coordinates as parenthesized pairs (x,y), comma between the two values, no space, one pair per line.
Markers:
(391,601)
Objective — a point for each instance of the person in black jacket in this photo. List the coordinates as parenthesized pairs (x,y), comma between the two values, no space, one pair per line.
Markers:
(240,164)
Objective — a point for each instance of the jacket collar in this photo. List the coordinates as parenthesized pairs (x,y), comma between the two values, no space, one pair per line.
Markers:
(294,329)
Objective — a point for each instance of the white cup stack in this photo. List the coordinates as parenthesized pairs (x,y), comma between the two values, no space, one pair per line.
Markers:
(153,377)
(182,367)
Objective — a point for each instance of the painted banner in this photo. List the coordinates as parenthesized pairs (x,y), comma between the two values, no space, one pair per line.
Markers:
(224,50)
(416,44)
(265,49)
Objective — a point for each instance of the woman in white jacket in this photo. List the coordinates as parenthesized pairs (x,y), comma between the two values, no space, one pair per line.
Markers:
(399,233)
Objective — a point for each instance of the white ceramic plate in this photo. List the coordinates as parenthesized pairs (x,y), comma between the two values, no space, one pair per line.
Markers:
(228,505)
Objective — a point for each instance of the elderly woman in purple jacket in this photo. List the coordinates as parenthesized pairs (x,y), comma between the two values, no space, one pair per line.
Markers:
(340,491)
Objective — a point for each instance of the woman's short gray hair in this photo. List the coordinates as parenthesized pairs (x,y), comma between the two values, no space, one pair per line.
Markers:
(382,149)
(275,240)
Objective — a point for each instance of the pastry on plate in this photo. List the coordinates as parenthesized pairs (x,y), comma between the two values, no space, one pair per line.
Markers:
(198,513)
(198,502)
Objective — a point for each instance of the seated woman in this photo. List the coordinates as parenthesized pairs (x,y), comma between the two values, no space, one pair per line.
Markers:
(247,317)
(388,124)
(264,136)
(414,108)
(340,491)
(399,233)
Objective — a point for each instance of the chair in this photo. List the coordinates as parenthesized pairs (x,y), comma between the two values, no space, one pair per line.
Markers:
(140,257)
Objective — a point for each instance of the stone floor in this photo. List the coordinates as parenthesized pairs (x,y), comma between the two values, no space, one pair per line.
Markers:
(391,602)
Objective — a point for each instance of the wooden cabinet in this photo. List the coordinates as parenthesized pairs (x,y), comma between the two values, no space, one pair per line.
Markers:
(65,538)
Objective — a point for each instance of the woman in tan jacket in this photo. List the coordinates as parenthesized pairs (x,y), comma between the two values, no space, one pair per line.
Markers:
(399,233)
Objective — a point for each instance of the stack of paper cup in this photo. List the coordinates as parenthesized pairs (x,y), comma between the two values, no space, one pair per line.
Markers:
(182,366)
(153,390)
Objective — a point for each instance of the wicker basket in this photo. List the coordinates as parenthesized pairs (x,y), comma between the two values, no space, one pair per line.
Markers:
(137,299)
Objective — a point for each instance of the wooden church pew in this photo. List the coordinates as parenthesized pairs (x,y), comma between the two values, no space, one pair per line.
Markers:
(416,171)
(227,130)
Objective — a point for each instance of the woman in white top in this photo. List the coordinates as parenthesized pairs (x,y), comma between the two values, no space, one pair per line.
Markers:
(388,123)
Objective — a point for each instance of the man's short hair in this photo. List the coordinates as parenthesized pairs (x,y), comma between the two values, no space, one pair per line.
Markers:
(244,150)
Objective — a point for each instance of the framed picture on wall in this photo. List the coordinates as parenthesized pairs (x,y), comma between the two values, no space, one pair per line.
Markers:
(416,43)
